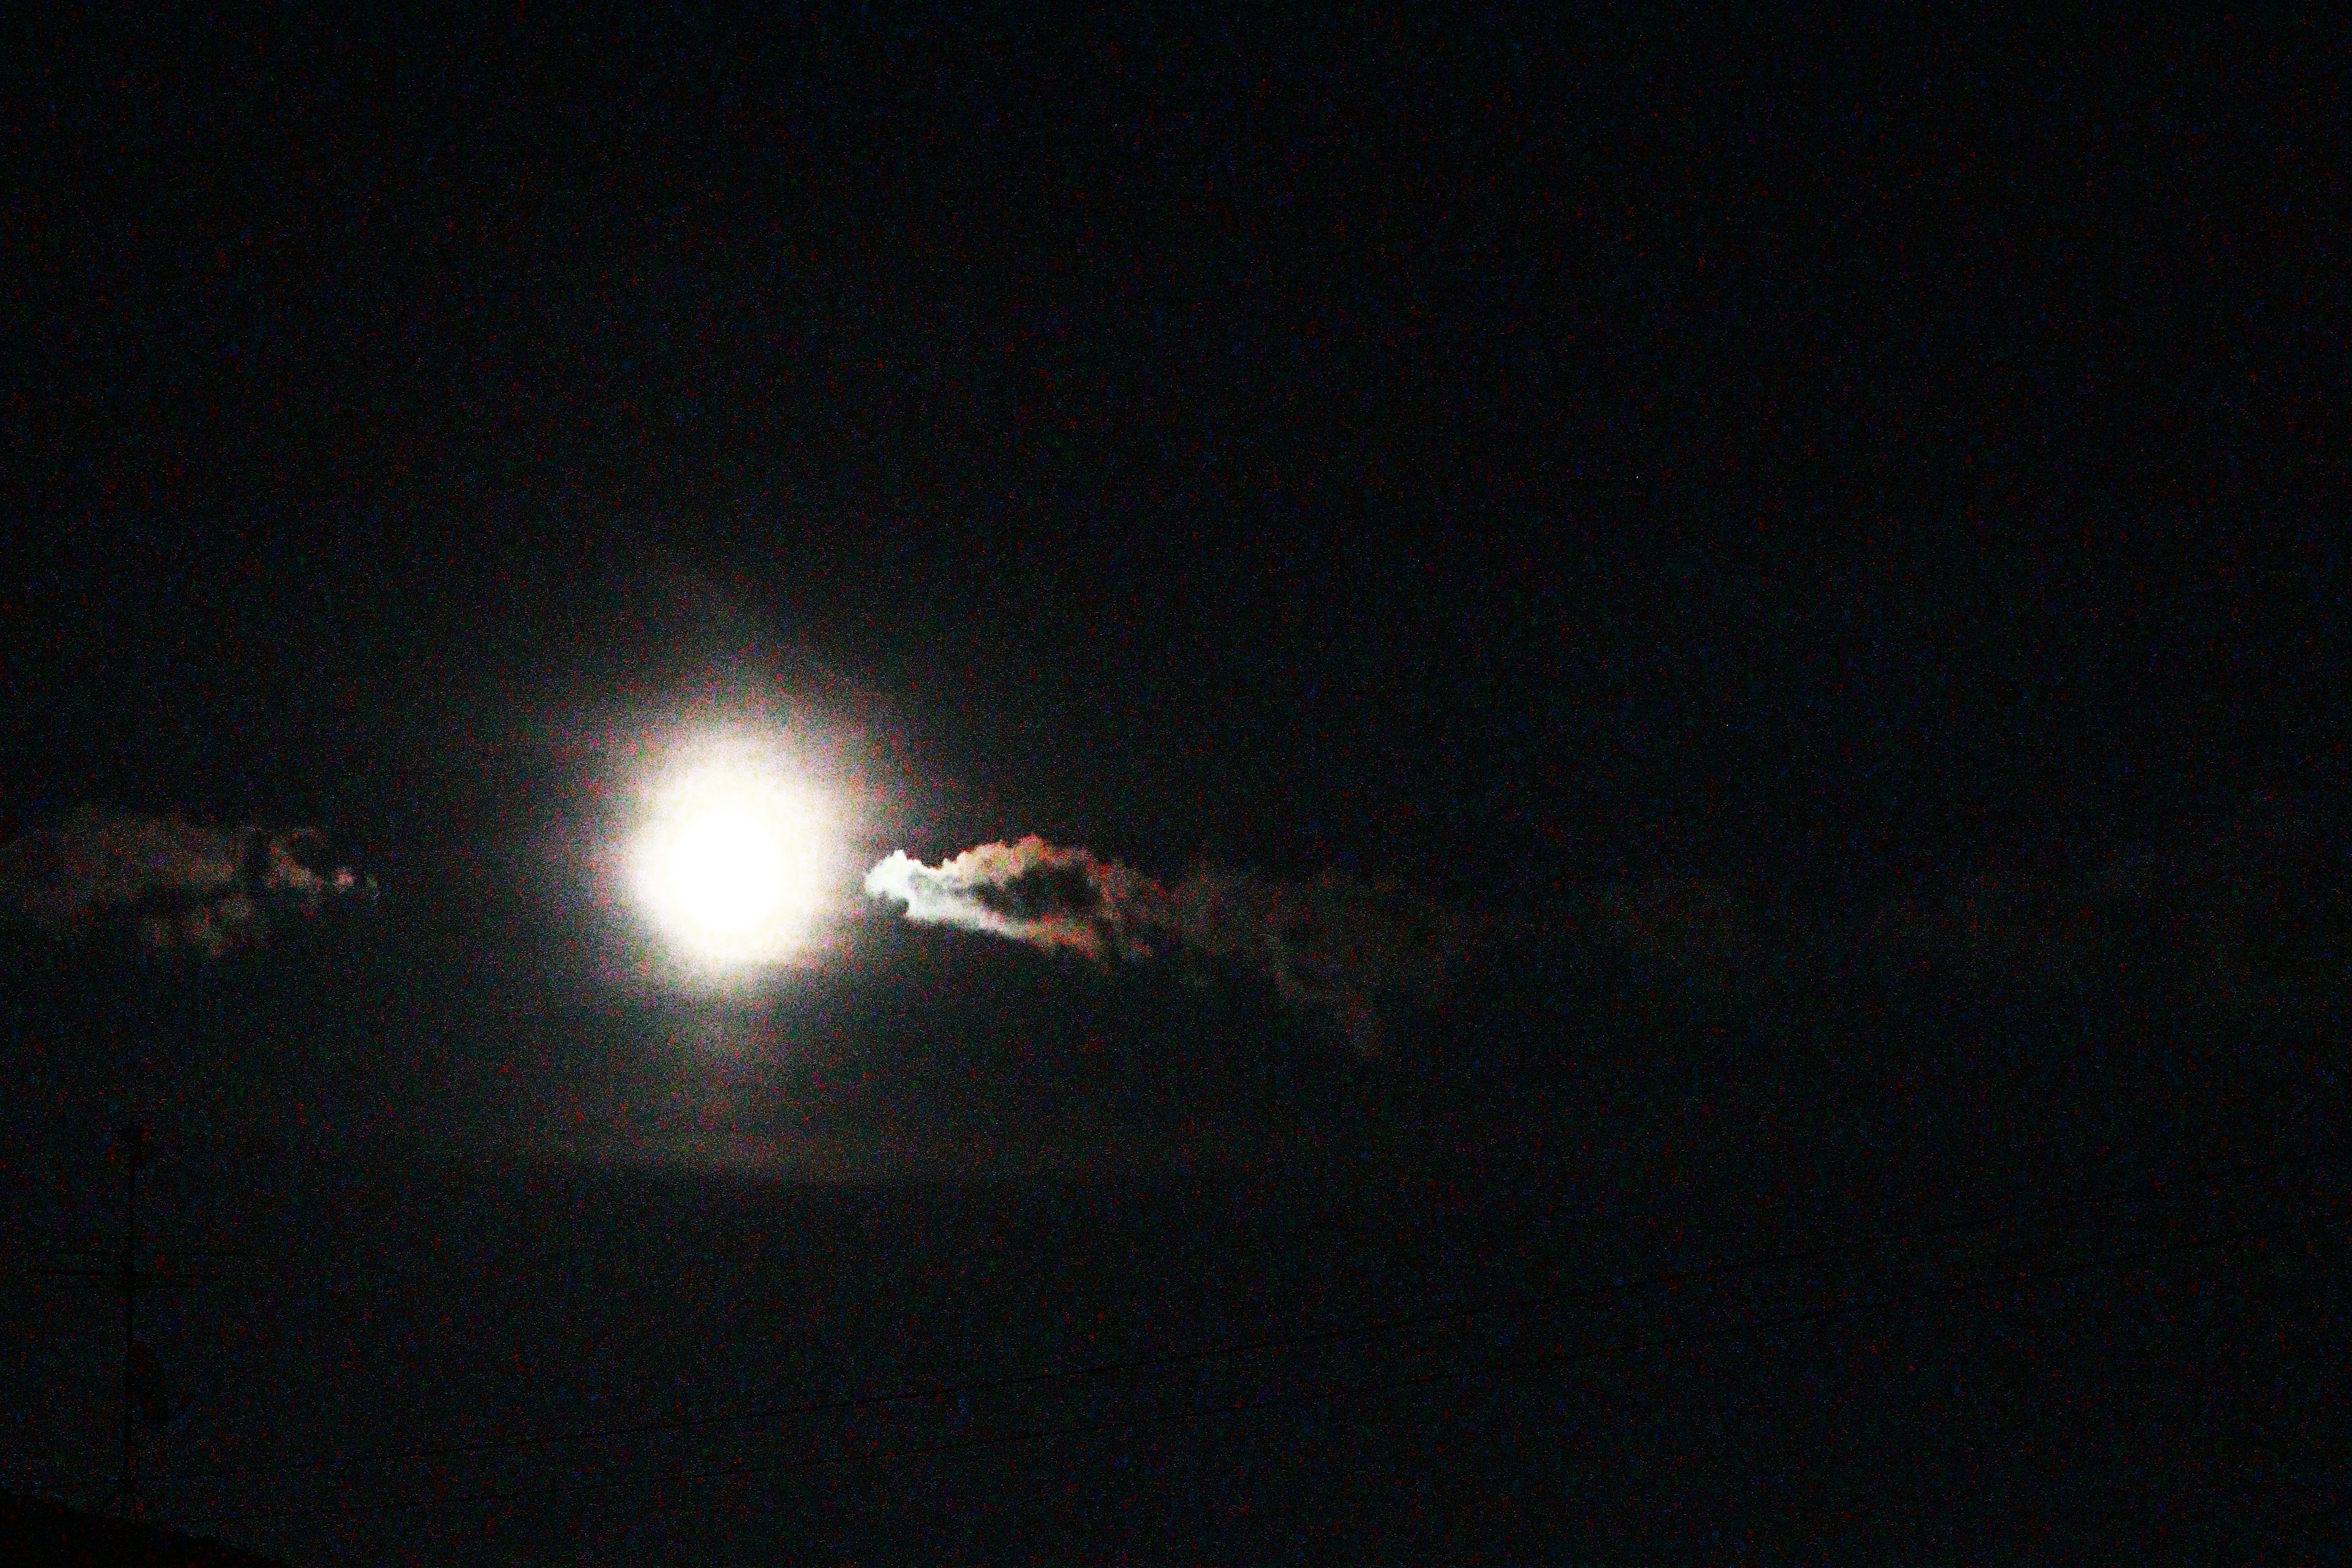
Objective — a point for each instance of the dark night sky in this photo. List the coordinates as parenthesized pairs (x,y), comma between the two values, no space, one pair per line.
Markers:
(1656,446)
(1526,456)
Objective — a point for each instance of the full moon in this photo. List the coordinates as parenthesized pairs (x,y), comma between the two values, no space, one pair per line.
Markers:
(727,870)
(729,859)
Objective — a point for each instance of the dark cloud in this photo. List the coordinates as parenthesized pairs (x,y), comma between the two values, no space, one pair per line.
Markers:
(181,885)
(2252,913)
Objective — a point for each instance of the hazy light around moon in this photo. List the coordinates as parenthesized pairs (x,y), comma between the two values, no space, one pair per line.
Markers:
(729,861)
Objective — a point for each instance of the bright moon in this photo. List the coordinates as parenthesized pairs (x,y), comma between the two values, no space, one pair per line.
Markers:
(729,862)
(727,870)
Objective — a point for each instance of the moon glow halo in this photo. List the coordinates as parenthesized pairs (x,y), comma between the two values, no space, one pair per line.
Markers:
(729,862)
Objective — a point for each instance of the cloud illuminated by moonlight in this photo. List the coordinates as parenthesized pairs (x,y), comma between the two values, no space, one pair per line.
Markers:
(1336,944)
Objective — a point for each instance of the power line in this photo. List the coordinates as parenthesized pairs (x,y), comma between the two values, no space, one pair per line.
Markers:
(933,1392)
(1329,1394)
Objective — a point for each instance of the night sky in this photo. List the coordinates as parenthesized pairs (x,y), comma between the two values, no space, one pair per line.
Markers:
(1674,641)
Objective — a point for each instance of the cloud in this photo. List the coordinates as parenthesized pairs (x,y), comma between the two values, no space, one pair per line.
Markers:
(2250,917)
(1031,892)
(2251,913)
(1336,944)
(181,885)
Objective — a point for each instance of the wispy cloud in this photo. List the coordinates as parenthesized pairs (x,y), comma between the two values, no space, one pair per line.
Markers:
(181,885)
(1337,943)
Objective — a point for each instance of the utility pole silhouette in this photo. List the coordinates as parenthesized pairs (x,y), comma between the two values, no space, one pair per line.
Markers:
(130,1146)
(131,1150)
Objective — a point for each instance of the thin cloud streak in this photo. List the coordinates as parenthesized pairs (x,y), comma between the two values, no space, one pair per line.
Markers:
(1336,944)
